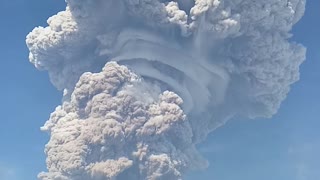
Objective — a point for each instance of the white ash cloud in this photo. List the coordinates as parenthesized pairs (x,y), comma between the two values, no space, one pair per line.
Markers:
(223,58)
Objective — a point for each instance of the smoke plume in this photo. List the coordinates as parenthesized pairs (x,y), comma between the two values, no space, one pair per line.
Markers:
(145,81)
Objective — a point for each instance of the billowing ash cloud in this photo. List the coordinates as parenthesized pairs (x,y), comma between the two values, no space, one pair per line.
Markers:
(116,125)
(173,71)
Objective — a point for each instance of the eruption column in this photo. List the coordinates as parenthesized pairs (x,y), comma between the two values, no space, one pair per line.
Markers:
(144,81)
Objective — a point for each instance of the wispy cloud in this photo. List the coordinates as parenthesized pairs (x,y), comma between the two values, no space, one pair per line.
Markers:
(7,173)
(306,159)
(301,171)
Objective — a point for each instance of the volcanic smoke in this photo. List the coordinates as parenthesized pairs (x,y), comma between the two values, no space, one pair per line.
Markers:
(145,81)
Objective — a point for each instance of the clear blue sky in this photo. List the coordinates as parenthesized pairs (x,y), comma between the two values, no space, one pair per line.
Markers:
(286,147)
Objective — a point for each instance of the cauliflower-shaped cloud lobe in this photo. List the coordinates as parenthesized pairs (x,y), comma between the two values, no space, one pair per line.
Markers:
(118,126)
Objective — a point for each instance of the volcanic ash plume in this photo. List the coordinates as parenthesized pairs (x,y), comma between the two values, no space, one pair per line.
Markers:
(145,81)
(115,125)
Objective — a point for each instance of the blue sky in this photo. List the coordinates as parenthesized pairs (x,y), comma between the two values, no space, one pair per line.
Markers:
(285,147)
